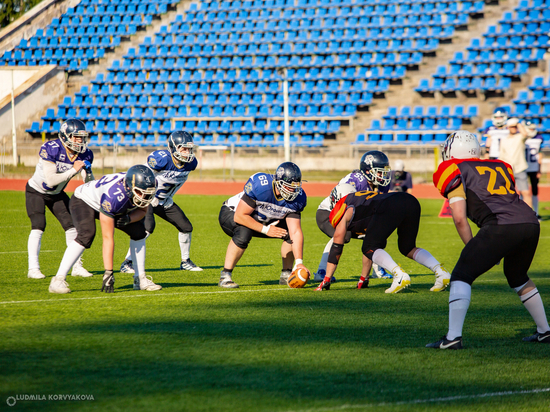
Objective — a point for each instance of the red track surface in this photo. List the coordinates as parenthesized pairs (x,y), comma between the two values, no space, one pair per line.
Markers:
(423,191)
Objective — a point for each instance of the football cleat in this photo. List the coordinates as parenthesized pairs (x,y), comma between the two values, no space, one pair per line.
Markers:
(319,276)
(324,285)
(442,279)
(285,273)
(58,285)
(378,272)
(145,284)
(401,280)
(35,274)
(538,337)
(127,267)
(226,281)
(189,265)
(445,343)
(78,270)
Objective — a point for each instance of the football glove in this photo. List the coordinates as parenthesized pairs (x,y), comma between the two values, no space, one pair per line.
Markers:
(324,285)
(122,221)
(87,166)
(108,282)
(363,283)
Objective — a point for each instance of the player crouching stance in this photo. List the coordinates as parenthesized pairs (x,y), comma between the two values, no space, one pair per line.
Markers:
(378,216)
(269,207)
(484,191)
(117,200)
(171,168)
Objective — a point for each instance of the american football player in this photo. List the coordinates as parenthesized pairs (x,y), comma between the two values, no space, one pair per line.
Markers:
(269,207)
(378,215)
(496,132)
(484,191)
(117,200)
(372,163)
(401,180)
(60,160)
(171,168)
(533,155)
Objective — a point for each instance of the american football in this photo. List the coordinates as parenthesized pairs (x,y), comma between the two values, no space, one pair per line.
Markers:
(298,278)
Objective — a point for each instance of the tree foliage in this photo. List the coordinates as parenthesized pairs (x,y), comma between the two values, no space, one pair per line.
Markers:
(11,10)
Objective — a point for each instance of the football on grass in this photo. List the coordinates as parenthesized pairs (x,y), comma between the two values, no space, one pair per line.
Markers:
(298,278)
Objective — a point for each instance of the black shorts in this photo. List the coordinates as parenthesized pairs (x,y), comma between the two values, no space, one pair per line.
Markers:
(173,215)
(323,222)
(84,220)
(241,235)
(58,204)
(400,211)
(534,182)
(515,244)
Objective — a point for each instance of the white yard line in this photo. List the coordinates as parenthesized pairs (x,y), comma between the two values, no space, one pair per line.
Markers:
(24,251)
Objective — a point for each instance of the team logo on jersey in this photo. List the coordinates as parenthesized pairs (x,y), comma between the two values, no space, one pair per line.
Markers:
(62,157)
(43,154)
(106,205)
(248,188)
(152,162)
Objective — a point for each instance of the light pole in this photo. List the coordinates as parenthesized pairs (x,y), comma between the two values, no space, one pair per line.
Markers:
(283,73)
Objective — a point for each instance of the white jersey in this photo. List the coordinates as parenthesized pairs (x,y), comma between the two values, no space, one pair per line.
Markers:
(532,149)
(357,180)
(109,190)
(496,134)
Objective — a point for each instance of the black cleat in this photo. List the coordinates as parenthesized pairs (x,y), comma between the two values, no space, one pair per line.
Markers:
(445,343)
(538,337)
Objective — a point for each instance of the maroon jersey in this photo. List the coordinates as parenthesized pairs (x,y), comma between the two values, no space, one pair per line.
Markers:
(490,190)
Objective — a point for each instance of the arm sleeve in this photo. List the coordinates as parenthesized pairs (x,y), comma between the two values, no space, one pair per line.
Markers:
(456,194)
(249,201)
(52,177)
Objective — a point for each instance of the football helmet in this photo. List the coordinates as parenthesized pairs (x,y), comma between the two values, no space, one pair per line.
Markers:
(375,166)
(399,168)
(461,145)
(176,141)
(73,128)
(141,185)
(531,127)
(499,117)
(341,190)
(288,180)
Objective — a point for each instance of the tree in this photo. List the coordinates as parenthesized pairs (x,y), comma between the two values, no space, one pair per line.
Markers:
(11,10)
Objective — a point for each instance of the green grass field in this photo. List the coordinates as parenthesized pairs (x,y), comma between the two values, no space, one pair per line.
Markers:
(195,347)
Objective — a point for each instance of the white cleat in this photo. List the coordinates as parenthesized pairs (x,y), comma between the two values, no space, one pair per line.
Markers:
(78,270)
(401,280)
(59,286)
(35,274)
(442,279)
(145,284)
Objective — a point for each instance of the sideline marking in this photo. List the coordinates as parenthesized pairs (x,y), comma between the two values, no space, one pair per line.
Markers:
(148,295)
(24,251)
(418,401)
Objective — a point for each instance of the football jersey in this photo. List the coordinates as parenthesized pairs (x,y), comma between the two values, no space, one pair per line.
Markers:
(54,151)
(107,195)
(496,134)
(365,204)
(490,191)
(357,180)
(532,149)
(404,181)
(170,177)
(269,208)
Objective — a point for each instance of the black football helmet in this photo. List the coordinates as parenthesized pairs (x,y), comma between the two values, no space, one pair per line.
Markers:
(288,180)
(176,141)
(375,166)
(73,128)
(141,185)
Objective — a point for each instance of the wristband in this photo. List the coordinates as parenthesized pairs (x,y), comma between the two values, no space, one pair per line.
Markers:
(298,262)
(265,229)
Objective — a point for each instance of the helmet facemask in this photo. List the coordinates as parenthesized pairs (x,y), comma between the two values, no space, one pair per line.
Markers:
(78,147)
(289,191)
(380,176)
(184,157)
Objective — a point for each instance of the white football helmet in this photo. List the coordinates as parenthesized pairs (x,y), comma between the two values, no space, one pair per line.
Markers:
(531,128)
(461,145)
(341,190)
(499,117)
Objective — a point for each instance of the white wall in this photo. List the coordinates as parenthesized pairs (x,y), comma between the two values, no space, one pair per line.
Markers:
(20,76)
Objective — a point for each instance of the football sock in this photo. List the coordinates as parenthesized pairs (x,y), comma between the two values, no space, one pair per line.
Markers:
(33,247)
(324,257)
(536,204)
(185,244)
(227,270)
(382,258)
(129,254)
(459,301)
(425,258)
(137,247)
(533,303)
(70,235)
(72,254)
